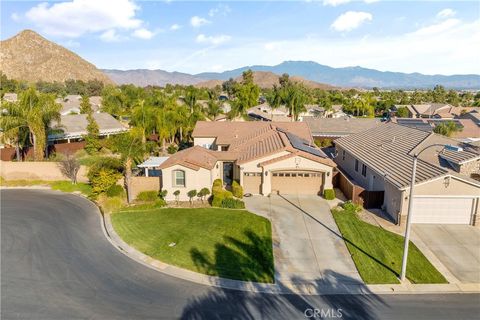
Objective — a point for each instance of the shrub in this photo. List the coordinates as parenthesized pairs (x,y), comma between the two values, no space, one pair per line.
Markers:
(218,193)
(163,193)
(232,203)
(217,183)
(112,204)
(352,207)
(191,194)
(177,195)
(103,179)
(147,196)
(204,193)
(172,149)
(329,194)
(237,190)
(115,191)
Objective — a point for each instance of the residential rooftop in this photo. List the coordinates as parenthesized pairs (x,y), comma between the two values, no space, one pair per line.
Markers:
(338,127)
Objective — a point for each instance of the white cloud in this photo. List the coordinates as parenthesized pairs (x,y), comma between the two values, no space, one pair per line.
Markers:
(75,18)
(15,17)
(110,36)
(446,13)
(437,28)
(214,40)
(334,3)
(197,21)
(351,20)
(175,26)
(220,10)
(143,33)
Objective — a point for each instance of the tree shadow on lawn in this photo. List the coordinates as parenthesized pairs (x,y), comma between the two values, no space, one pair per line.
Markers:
(347,240)
(250,260)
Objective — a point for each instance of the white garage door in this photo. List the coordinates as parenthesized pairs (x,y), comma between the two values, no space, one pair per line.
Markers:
(442,210)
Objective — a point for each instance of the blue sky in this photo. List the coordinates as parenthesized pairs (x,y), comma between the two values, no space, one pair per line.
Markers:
(433,37)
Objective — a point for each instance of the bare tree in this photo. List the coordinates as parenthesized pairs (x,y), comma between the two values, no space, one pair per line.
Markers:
(69,167)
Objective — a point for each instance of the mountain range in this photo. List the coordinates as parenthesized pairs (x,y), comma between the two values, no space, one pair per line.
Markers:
(28,56)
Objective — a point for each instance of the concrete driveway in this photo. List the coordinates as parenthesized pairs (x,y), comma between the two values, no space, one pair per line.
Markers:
(307,242)
(457,247)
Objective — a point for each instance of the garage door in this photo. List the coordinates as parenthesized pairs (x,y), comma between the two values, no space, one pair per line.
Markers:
(252,182)
(297,182)
(442,210)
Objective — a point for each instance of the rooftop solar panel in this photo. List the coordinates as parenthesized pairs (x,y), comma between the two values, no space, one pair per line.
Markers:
(302,145)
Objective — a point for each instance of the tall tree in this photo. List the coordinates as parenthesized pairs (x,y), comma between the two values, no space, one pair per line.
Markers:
(34,111)
(92,143)
(85,106)
(246,95)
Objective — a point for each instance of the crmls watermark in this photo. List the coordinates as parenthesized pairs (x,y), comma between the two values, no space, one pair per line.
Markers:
(323,313)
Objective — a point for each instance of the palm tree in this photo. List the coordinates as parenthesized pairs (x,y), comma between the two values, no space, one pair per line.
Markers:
(129,146)
(214,109)
(33,112)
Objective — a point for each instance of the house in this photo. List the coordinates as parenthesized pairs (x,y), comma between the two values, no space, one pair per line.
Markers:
(150,166)
(468,128)
(428,110)
(333,128)
(381,159)
(71,104)
(263,157)
(264,112)
(73,127)
(473,115)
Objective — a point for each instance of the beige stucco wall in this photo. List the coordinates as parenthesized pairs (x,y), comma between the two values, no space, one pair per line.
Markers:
(36,170)
(393,201)
(193,180)
(372,182)
(139,184)
(202,141)
(470,167)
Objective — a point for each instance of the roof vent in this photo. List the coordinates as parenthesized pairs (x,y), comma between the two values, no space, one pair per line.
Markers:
(393,139)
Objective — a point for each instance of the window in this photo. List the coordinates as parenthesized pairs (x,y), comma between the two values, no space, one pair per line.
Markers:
(356,165)
(343,154)
(179,178)
(364,170)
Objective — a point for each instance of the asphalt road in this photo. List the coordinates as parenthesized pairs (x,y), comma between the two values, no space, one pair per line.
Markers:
(57,264)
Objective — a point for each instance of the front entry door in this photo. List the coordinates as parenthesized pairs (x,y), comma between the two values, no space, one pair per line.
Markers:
(228,173)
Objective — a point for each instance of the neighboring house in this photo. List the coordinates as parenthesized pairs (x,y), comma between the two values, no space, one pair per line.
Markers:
(10,97)
(263,157)
(473,115)
(381,159)
(335,112)
(264,112)
(71,104)
(150,166)
(468,129)
(333,128)
(73,127)
(427,110)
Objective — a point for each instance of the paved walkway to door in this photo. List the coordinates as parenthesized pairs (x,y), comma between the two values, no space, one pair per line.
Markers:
(307,243)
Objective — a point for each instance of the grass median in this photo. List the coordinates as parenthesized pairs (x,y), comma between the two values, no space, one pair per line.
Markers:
(233,244)
(377,253)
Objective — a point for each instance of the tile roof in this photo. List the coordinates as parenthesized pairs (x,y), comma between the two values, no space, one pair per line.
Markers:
(459,157)
(336,127)
(194,158)
(247,141)
(387,150)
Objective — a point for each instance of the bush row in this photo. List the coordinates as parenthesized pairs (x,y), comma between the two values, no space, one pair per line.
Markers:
(225,199)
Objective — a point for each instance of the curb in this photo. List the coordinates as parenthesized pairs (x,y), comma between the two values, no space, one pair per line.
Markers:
(286,287)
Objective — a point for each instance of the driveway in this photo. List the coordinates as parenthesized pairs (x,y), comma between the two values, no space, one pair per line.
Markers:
(307,242)
(456,246)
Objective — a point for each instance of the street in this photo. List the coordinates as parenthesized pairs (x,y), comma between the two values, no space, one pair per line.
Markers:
(57,264)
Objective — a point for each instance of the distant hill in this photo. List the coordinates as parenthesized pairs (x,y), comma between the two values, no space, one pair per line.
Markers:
(30,57)
(355,76)
(266,80)
(144,77)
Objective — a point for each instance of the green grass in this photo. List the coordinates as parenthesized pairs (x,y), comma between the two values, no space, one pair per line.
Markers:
(233,244)
(22,183)
(377,253)
(67,186)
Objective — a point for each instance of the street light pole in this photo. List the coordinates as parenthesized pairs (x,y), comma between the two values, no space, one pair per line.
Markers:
(409,220)
(410,204)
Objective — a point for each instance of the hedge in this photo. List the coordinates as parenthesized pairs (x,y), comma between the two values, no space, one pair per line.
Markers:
(232,203)
(115,191)
(237,190)
(147,196)
(329,194)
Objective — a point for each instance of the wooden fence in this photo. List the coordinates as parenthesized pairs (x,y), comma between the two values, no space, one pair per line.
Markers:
(9,154)
(356,193)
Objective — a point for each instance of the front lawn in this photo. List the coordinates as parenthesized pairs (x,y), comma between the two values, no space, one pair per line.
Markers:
(233,244)
(377,253)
